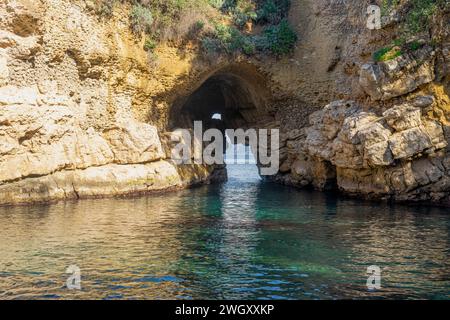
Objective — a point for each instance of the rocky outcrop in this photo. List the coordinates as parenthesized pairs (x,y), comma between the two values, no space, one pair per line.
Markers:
(391,139)
(106,181)
(83,112)
(399,152)
(399,155)
(400,76)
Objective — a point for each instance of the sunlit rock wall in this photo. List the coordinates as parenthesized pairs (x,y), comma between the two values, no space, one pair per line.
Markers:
(74,95)
(391,140)
(83,112)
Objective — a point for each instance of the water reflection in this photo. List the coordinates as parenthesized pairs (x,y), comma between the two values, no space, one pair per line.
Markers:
(243,239)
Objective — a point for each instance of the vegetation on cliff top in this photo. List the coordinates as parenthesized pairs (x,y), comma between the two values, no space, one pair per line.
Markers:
(276,37)
(417,20)
(221,26)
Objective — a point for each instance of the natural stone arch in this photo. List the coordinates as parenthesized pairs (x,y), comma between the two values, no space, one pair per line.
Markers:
(238,92)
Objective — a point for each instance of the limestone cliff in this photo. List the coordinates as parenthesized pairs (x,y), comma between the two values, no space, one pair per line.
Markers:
(84,112)
(391,139)
(73,93)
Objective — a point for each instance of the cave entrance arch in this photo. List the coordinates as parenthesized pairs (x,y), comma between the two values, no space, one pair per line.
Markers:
(232,97)
(239,93)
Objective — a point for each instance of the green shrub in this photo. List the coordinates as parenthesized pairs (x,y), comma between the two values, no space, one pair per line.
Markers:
(388,5)
(419,17)
(227,5)
(279,39)
(158,19)
(418,20)
(260,11)
(167,11)
(414,46)
(218,4)
(228,39)
(399,42)
(244,12)
(211,45)
(199,25)
(273,11)
(141,19)
(156,16)
(398,48)
(241,17)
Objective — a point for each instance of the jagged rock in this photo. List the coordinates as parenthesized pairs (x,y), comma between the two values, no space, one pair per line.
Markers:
(436,134)
(403,117)
(423,101)
(365,181)
(399,76)
(425,172)
(286,166)
(378,155)
(364,147)
(410,142)
(374,139)
(326,125)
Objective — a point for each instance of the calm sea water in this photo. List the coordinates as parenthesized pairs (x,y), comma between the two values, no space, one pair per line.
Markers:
(241,240)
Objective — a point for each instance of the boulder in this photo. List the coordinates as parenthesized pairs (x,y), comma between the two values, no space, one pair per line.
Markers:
(403,117)
(409,143)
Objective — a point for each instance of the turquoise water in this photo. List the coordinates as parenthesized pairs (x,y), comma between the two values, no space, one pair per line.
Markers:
(241,240)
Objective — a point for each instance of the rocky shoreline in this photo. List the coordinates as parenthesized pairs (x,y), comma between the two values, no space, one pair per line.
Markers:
(84,114)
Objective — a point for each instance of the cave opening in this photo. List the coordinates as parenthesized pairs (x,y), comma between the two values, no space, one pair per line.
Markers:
(235,97)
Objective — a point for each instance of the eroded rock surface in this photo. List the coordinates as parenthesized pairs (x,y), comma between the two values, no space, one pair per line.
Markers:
(401,154)
(83,112)
(400,76)
(70,86)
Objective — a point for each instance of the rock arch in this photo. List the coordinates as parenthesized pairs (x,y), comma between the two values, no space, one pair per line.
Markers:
(238,92)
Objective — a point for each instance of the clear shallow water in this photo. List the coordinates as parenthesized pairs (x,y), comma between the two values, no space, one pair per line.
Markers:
(241,240)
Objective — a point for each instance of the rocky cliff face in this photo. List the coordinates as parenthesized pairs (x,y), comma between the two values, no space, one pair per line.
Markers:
(389,141)
(83,113)
(73,93)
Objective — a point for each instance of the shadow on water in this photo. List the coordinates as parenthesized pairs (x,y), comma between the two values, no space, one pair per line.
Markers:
(244,239)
